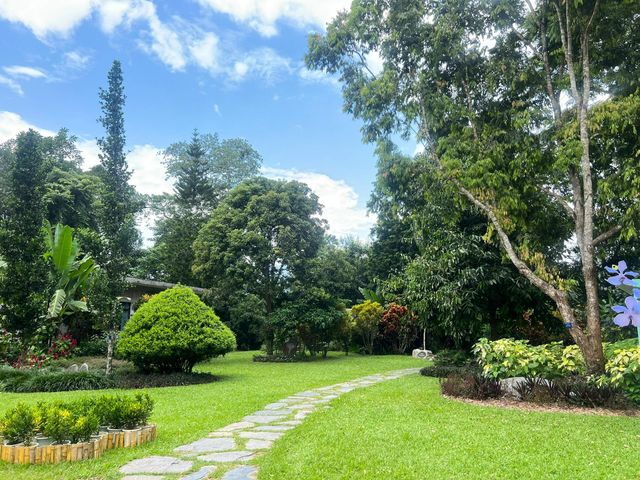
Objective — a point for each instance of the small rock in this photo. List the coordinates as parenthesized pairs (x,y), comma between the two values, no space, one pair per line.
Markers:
(261,435)
(142,477)
(241,473)
(157,464)
(237,426)
(200,474)
(263,418)
(273,428)
(83,368)
(208,445)
(227,457)
(73,368)
(253,444)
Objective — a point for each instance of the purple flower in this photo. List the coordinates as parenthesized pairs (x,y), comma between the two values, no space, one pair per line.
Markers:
(620,277)
(630,314)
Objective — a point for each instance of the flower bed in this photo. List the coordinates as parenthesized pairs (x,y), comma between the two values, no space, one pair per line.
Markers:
(56,432)
(38,454)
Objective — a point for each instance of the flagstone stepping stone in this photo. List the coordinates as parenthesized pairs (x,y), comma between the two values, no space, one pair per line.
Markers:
(282,411)
(221,434)
(273,428)
(237,426)
(275,406)
(142,477)
(290,422)
(261,435)
(157,464)
(253,444)
(227,457)
(308,394)
(200,474)
(263,418)
(241,473)
(208,445)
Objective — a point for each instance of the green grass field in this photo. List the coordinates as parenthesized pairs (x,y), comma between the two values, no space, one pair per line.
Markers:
(400,429)
(184,414)
(404,429)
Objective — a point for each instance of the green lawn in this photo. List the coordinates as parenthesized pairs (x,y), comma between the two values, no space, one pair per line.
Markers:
(404,429)
(184,414)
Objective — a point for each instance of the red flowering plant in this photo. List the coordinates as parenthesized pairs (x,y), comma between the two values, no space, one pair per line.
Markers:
(62,346)
(10,346)
(399,326)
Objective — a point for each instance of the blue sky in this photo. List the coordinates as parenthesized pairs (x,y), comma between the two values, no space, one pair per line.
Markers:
(228,66)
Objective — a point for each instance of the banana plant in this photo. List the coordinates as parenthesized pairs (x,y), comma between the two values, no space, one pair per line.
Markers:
(70,272)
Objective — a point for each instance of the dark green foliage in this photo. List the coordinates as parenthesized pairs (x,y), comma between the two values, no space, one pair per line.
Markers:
(452,358)
(572,390)
(22,286)
(281,358)
(443,371)
(123,412)
(247,317)
(172,332)
(470,385)
(203,170)
(312,320)
(33,381)
(118,206)
(128,379)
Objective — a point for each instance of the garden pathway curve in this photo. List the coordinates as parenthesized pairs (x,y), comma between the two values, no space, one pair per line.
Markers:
(228,452)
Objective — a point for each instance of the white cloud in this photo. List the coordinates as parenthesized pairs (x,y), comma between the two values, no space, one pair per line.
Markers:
(23,71)
(204,51)
(375,62)
(339,200)
(76,60)
(46,17)
(263,15)
(216,108)
(317,76)
(11,124)
(12,84)
(263,62)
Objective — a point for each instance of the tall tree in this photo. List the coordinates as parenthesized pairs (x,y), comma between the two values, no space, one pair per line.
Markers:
(117,213)
(203,171)
(22,289)
(480,83)
(259,240)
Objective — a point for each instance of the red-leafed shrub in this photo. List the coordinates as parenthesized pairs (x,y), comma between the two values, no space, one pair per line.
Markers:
(398,327)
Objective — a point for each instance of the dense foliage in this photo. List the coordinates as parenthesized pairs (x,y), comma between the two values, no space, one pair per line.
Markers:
(479,84)
(172,332)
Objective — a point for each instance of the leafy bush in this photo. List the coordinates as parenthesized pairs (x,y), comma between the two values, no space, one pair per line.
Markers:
(367,316)
(60,382)
(20,424)
(172,332)
(75,421)
(124,412)
(572,390)
(94,346)
(133,379)
(516,358)
(451,358)
(623,370)
(470,385)
(399,326)
(442,371)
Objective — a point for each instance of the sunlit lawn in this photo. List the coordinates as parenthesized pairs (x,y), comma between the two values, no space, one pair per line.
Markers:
(404,429)
(185,414)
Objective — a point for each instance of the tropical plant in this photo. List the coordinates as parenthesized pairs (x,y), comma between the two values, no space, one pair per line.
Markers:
(70,271)
(20,424)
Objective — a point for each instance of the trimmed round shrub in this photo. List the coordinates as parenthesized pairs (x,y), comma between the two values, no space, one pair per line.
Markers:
(172,332)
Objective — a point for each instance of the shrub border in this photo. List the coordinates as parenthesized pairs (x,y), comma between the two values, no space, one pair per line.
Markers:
(35,454)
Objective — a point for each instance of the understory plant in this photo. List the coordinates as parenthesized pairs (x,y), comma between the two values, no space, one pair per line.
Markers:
(20,424)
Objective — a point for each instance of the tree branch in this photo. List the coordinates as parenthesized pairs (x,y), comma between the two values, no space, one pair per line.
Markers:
(563,201)
(604,236)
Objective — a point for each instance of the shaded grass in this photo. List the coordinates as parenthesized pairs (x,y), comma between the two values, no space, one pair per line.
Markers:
(404,429)
(184,414)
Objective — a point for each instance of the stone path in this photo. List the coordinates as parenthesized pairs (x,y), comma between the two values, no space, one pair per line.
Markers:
(227,453)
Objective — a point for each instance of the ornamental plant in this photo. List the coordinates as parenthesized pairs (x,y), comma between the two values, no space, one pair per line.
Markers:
(623,370)
(399,325)
(627,281)
(172,332)
(516,358)
(20,424)
(367,316)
